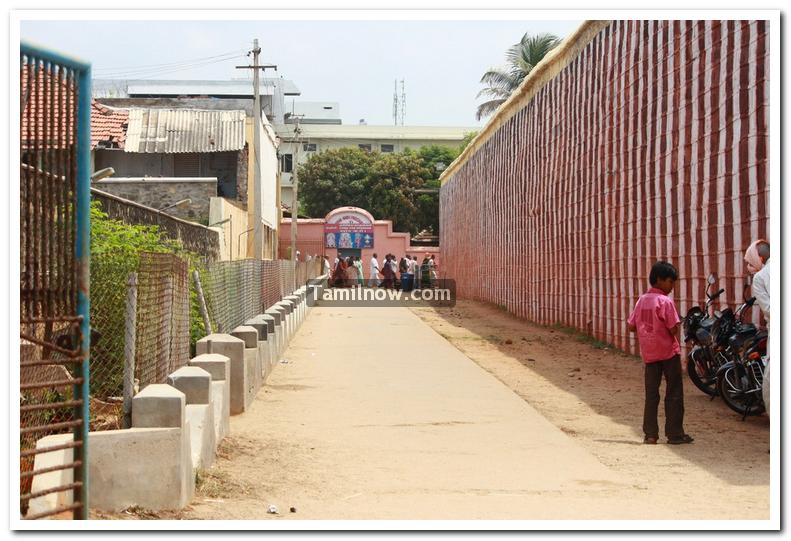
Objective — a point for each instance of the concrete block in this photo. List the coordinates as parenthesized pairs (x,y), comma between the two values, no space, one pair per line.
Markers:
(224,344)
(53,479)
(194,382)
(260,324)
(146,467)
(203,439)
(218,366)
(234,349)
(252,379)
(248,334)
(221,402)
(158,406)
(275,313)
(273,338)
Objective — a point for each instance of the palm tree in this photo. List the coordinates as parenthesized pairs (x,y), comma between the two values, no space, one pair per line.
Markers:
(522,58)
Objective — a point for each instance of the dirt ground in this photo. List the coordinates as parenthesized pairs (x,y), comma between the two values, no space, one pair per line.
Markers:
(324,459)
(595,395)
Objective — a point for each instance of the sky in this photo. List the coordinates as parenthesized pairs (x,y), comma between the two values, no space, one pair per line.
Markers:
(353,63)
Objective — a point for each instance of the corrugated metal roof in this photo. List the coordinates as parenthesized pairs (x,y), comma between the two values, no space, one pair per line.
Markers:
(184,130)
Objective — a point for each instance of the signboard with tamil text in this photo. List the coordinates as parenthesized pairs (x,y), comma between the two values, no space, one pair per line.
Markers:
(349,230)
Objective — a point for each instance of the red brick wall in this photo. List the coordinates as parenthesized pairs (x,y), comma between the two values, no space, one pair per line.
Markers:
(652,143)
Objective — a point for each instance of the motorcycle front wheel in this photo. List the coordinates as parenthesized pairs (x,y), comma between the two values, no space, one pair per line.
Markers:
(698,371)
(734,387)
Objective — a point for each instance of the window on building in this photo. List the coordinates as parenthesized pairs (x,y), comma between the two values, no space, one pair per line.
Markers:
(287,163)
(387,148)
(366,148)
(309,147)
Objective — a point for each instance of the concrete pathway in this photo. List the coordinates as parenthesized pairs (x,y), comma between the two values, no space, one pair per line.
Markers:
(377,416)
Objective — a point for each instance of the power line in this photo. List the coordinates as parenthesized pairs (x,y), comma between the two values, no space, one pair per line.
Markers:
(156,73)
(145,67)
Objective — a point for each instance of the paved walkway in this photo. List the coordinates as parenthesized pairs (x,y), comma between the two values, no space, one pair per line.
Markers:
(377,416)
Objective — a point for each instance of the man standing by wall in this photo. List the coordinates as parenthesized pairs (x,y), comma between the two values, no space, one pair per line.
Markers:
(374,278)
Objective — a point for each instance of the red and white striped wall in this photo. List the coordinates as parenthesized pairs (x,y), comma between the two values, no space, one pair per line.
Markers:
(652,143)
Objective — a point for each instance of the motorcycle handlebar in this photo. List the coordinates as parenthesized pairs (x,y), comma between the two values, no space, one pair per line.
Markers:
(717,294)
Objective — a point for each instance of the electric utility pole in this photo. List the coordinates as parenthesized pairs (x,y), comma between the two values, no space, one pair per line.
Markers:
(258,239)
(295,190)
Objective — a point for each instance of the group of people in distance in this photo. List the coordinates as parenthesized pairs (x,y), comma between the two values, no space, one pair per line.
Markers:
(406,272)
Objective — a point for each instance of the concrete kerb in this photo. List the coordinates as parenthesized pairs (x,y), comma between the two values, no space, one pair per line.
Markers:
(146,467)
(219,367)
(234,349)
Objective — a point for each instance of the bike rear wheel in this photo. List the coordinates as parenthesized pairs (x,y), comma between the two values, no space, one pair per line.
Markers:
(738,393)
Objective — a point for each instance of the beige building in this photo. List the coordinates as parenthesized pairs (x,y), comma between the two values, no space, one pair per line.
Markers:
(315,138)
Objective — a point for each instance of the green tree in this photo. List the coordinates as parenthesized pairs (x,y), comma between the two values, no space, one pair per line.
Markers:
(383,184)
(522,57)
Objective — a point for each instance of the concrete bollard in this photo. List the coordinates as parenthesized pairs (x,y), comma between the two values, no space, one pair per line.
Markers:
(252,361)
(194,382)
(292,305)
(219,367)
(277,316)
(295,311)
(288,305)
(272,339)
(283,313)
(233,348)
(158,406)
(264,350)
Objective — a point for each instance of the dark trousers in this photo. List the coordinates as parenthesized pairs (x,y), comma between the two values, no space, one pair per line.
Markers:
(674,398)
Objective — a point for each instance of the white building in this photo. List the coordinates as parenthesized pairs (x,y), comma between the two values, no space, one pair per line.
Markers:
(315,138)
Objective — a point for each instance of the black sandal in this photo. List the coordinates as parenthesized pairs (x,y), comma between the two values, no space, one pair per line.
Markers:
(686,438)
(650,440)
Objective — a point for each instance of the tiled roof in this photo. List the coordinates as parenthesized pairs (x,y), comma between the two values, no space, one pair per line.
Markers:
(108,126)
(48,103)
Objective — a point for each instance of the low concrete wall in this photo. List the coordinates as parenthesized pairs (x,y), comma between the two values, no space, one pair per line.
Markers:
(176,426)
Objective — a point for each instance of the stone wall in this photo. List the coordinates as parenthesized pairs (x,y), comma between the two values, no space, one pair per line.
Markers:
(160,192)
(195,237)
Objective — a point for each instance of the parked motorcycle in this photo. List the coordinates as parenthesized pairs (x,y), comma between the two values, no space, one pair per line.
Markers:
(704,360)
(740,380)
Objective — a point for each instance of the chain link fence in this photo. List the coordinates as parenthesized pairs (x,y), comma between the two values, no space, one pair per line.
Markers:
(162,329)
(146,312)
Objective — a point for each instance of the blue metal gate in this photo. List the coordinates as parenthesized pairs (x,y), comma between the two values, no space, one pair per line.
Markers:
(55,100)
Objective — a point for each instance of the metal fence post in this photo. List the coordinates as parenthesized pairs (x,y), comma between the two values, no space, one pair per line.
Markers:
(202,302)
(129,347)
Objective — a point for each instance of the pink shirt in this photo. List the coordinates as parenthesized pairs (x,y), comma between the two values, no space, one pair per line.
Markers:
(655,315)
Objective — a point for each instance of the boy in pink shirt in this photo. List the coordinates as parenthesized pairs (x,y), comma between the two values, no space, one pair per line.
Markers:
(657,324)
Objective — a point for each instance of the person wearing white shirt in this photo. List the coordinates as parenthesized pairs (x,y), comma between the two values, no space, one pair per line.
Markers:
(757,259)
(374,278)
